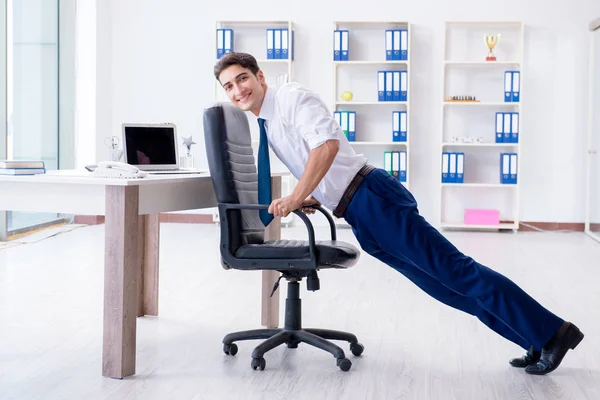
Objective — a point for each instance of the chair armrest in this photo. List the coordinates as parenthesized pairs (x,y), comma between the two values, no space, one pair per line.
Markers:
(312,262)
(329,219)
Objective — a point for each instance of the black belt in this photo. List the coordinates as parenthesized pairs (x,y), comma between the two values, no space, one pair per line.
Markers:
(340,210)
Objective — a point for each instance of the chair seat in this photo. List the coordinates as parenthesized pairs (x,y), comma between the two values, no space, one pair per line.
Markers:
(330,253)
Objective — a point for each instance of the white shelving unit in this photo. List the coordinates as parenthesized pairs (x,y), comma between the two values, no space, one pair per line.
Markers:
(466,72)
(251,37)
(358,74)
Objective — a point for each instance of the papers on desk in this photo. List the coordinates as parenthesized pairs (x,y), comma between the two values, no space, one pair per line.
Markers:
(22,167)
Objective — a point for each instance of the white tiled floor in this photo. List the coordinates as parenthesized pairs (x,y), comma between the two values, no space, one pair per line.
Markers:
(415,348)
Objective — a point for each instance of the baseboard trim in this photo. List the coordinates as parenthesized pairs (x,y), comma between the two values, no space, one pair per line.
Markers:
(89,219)
(165,217)
(187,218)
(551,226)
(208,219)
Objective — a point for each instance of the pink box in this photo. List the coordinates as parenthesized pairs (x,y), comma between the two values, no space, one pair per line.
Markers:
(482,217)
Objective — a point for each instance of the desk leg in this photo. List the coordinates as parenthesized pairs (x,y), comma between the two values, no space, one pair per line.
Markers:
(270,305)
(121,269)
(148,255)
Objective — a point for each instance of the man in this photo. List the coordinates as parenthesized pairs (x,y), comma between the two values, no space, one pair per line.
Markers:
(383,213)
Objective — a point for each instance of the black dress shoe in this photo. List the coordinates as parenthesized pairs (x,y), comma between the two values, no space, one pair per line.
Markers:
(531,357)
(567,337)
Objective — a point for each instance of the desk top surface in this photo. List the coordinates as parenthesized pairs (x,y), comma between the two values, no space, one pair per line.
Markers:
(83,177)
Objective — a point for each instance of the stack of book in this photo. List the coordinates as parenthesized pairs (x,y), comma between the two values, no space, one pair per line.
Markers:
(18,167)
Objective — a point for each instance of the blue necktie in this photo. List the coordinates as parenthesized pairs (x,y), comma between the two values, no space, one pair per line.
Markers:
(264,173)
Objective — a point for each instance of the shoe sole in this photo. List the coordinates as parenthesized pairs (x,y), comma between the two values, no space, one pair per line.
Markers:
(576,338)
(523,365)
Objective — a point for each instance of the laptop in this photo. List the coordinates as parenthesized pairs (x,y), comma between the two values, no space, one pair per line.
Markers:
(153,148)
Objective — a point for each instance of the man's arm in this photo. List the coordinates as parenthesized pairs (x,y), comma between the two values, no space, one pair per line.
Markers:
(318,163)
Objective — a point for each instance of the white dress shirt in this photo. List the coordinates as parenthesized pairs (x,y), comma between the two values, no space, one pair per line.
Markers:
(297,121)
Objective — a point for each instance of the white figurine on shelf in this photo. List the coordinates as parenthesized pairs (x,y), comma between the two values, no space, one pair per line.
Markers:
(187,161)
(188,142)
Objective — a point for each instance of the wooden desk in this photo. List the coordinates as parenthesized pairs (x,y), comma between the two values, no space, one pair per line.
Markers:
(131,208)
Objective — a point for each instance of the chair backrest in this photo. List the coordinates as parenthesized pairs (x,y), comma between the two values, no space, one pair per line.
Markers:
(233,171)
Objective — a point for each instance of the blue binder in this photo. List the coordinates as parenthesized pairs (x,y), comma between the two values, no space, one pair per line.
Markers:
(513,168)
(505,168)
(445,167)
(404,44)
(452,167)
(403,126)
(345,47)
(270,44)
(403,169)
(499,127)
(514,128)
(396,44)
(508,86)
(285,44)
(277,43)
(396,86)
(516,86)
(460,167)
(337,45)
(228,41)
(403,85)
(506,127)
(389,44)
(389,85)
(381,85)
(352,126)
(220,43)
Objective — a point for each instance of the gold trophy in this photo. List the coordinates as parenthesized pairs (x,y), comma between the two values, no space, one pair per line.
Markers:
(491,42)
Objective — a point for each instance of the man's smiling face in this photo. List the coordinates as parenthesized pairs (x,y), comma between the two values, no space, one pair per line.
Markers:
(245,90)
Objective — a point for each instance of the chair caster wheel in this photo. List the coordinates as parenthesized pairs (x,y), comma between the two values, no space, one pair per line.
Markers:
(357,349)
(344,364)
(230,349)
(258,363)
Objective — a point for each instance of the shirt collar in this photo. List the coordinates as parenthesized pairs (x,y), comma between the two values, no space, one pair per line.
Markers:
(267,109)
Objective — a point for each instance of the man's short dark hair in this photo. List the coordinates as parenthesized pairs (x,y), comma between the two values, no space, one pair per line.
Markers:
(244,60)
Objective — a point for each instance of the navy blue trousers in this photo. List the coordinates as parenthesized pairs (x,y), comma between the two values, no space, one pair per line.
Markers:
(384,217)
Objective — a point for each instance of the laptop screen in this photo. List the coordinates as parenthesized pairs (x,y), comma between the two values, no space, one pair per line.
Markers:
(150,145)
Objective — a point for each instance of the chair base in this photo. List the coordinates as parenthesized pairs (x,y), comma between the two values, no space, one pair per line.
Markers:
(292,334)
(277,337)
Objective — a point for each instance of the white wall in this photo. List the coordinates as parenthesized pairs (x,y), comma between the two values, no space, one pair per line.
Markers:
(155,62)
(85,86)
(67,36)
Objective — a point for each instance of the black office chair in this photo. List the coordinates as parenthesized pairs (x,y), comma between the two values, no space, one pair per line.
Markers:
(235,181)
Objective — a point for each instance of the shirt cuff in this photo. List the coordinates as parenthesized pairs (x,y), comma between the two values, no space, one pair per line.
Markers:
(318,140)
